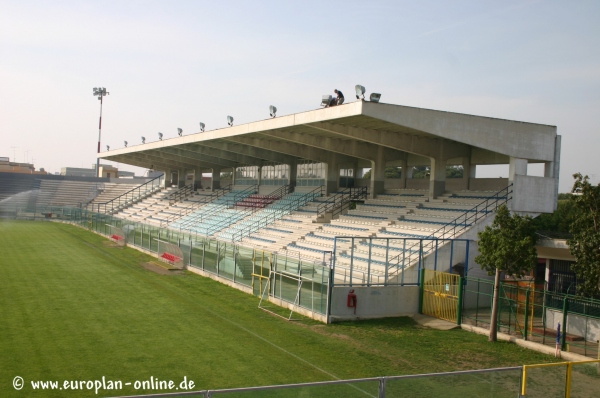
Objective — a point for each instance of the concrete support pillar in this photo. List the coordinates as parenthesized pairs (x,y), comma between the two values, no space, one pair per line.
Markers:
(516,167)
(293,169)
(466,164)
(377,175)
(333,176)
(259,175)
(472,171)
(552,169)
(437,178)
(216,179)
(403,173)
(167,178)
(181,174)
(198,178)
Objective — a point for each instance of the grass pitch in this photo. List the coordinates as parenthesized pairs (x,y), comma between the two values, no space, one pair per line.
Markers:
(74,307)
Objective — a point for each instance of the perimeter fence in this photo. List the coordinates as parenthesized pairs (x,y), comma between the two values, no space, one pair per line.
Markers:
(528,311)
(564,379)
(246,267)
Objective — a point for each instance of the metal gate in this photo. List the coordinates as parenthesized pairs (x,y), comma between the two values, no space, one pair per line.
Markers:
(440,295)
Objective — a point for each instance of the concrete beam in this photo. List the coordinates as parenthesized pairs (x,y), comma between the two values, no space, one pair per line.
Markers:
(289,148)
(432,147)
(354,148)
(258,153)
(188,154)
(512,138)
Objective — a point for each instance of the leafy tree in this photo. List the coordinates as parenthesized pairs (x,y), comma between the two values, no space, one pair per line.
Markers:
(585,243)
(393,172)
(421,172)
(559,221)
(507,246)
(454,172)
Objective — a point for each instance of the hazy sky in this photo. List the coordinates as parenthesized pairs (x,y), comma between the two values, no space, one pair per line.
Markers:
(170,64)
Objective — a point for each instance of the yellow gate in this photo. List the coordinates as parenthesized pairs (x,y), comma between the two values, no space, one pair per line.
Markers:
(440,294)
(262,263)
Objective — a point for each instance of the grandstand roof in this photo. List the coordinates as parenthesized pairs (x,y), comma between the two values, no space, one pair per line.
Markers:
(357,130)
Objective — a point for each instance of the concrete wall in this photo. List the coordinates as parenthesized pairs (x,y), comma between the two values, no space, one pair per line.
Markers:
(488,184)
(417,183)
(534,194)
(457,184)
(576,324)
(374,302)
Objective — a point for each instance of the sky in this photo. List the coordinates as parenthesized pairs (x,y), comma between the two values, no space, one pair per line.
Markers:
(170,64)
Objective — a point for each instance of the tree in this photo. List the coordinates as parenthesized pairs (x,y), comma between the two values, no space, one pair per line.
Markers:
(585,243)
(507,246)
(454,172)
(560,221)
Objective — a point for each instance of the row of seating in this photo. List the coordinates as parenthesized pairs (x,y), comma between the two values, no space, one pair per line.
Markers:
(170,258)
(256,201)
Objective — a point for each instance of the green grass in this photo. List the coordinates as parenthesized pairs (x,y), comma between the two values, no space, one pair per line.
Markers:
(75,307)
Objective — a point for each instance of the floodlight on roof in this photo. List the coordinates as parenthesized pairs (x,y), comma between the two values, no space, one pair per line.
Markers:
(202,127)
(179,132)
(143,140)
(326,100)
(160,135)
(125,142)
(108,148)
(230,120)
(375,97)
(272,111)
(360,91)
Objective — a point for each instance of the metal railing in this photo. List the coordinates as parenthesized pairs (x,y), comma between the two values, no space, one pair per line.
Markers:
(196,205)
(451,230)
(272,216)
(229,203)
(276,195)
(181,194)
(340,201)
(481,382)
(128,198)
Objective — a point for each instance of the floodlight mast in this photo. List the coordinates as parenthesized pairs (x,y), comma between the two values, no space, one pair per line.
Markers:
(99,92)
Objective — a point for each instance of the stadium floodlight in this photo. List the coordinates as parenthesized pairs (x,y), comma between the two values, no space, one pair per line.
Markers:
(179,132)
(230,120)
(125,142)
(160,136)
(99,92)
(375,97)
(202,127)
(360,91)
(326,100)
(143,140)
(272,111)
(108,148)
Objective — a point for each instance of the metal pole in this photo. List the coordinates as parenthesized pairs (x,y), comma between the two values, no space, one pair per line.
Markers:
(99,136)
(527,296)
(460,300)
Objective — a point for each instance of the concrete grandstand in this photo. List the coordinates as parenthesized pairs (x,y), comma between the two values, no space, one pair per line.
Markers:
(291,181)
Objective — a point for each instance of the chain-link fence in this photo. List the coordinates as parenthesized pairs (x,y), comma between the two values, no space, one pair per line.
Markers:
(530,312)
